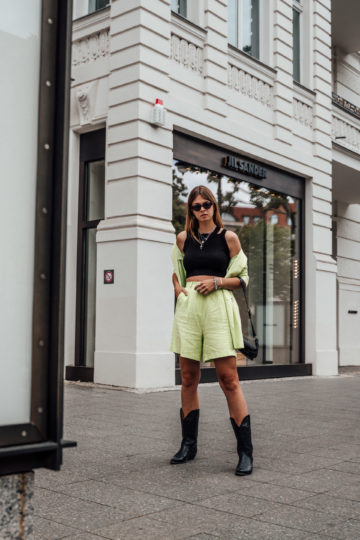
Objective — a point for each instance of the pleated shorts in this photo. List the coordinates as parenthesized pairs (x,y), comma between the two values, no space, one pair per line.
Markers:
(201,327)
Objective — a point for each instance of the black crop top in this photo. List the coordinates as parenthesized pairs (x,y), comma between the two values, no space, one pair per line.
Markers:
(212,260)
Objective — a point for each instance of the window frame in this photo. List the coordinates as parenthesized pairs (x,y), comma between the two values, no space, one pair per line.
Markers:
(265,26)
(183,8)
(298,6)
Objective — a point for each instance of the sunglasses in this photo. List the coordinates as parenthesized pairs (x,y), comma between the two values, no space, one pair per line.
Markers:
(197,207)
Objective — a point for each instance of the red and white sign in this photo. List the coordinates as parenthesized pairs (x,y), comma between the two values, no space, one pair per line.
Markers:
(108,277)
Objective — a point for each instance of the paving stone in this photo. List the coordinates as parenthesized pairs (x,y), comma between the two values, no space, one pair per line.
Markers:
(296,464)
(129,500)
(145,528)
(329,504)
(271,492)
(238,503)
(77,513)
(351,467)
(299,518)
(349,530)
(118,483)
(349,492)
(51,530)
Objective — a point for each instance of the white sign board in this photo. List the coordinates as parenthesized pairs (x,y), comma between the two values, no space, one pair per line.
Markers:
(20,32)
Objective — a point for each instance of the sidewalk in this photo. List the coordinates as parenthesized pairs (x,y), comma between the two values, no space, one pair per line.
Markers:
(118,483)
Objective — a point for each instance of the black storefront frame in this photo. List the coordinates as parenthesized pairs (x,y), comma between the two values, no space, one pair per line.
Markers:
(39,443)
(206,155)
(92,148)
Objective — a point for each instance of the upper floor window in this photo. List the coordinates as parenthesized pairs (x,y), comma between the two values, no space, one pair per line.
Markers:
(94,5)
(179,6)
(297,12)
(244,25)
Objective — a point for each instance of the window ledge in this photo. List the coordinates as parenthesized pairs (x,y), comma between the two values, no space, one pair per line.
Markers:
(91,18)
(252,65)
(184,24)
(304,90)
(250,60)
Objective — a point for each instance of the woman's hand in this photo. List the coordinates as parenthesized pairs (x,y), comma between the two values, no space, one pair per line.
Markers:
(179,290)
(205,287)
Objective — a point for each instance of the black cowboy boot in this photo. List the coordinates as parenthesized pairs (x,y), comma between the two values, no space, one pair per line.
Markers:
(244,446)
(189,427)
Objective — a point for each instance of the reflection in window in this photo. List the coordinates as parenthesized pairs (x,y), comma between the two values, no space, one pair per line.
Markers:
(296,45)
(267,224)
(243,25)
(95,5)
(179,6)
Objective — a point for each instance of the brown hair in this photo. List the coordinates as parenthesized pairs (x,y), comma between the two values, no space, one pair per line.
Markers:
(191,224)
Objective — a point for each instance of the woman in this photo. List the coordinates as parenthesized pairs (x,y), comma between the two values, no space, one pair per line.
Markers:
(208,265)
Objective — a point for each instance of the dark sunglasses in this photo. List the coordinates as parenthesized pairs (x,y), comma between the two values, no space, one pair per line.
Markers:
(206,205)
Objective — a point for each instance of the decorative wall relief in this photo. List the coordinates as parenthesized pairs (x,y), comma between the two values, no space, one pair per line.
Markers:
(346,134)
(303,113)
(82,100)
(90,48)
(187,54)
(250,85)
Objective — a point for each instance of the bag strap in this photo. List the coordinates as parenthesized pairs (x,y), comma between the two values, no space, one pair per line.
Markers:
(243,286)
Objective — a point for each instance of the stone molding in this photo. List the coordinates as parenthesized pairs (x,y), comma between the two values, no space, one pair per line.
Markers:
(91,48)
(250,85)
(342,127)
(303,113)
(187,54)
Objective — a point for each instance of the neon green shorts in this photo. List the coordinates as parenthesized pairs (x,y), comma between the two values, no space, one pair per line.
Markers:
(201,329)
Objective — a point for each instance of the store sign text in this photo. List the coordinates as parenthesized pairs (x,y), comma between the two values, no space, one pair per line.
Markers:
(245,167)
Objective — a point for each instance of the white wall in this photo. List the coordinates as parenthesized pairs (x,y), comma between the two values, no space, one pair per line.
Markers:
(348,250)
(222,96)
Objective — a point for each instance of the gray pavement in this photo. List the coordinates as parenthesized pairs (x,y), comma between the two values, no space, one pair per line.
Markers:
(118,483)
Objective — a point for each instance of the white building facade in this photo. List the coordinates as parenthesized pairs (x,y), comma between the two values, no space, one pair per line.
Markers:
(262,104)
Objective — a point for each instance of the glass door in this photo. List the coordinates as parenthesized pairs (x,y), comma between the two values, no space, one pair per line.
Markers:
(91,211)
(267,223)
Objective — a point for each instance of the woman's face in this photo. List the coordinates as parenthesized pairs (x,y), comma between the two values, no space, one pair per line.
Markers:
(203,214)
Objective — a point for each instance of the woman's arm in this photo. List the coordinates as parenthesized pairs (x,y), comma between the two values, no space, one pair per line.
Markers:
(180,241)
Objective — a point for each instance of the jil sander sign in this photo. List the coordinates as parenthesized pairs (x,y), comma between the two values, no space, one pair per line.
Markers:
(245,167)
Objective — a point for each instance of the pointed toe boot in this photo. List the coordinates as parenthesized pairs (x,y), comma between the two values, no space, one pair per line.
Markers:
(244,446)
(189,427)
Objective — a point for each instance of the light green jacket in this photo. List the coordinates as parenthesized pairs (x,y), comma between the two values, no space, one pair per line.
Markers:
(237,268)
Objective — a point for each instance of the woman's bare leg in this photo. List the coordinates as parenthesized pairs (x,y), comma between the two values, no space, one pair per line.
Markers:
(190,377)
(229,381)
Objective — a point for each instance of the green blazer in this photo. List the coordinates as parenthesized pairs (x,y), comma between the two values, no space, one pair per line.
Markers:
(237,268)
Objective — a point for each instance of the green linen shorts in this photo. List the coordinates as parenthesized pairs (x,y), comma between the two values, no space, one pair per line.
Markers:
(201,328)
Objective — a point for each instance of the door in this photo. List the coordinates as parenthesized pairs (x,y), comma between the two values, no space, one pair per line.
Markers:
(91,211)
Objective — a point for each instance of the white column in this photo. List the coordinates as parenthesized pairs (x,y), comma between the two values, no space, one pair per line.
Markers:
(216,57)
(283,63)
(134,314)
(325,267)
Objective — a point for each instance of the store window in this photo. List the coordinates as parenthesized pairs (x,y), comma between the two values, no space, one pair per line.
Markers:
(244,25)
(271,240)
(179,6)
(297,11)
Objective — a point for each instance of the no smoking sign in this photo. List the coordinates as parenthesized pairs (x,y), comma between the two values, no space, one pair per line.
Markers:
(108,277)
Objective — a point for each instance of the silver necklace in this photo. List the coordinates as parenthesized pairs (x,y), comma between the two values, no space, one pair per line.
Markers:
(203,237)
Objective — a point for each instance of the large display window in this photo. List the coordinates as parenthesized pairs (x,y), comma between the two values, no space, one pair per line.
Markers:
(268,224)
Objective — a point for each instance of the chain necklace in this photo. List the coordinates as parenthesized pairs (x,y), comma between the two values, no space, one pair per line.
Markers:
(203,237)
